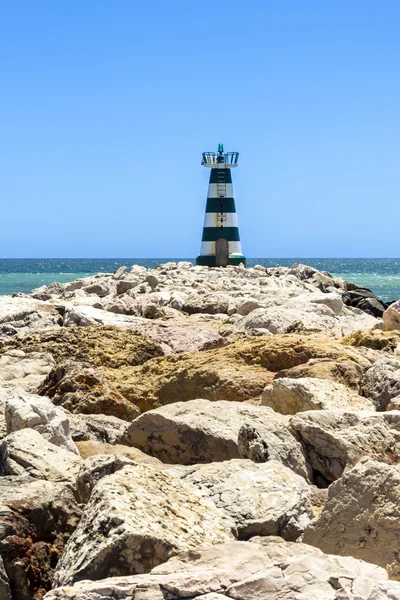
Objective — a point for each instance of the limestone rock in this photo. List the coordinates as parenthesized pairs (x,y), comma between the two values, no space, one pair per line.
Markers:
(95,468)
(98,428)
(245,571)
(373,338)
(36,519)
(261,499)
(209,303)
(28,411)
(391,317)
(26,452)
(247,306)
(135,519)
(94,448)
(238,372)
(100,289)
(382,382)
(336,440)
(289,396)
(270,440)
(99,345)
(346,372)
(80,388)
(26,371)
(18,315)
(360,516)
(200,431)
(279,319)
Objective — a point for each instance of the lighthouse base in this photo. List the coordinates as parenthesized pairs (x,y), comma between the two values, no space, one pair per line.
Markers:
(211,261)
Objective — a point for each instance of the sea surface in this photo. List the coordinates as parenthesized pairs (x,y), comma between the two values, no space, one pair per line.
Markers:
(381,275)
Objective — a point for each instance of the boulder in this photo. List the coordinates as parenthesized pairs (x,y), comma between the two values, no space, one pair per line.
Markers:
(247,306)
(26,452)
(26,371)
(391,317)
(80,388)
(373,338)
(280,319)
(346,372)
(237,372)
(209,303)
(101,346)
(264,440)
(245,571)
(20,315)
(5,590)
(135,519)
(94,448)
(360,516)
(28,411)
(36,519)
(261,499)
(98,428)
(332,300)
(336,440)
(289,396)
(200,431)
(95,468)
(99,288)
(382,382)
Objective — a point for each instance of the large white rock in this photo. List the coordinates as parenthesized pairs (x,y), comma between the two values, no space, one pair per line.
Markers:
(28,411)
(280,319)
(391,317)
(26,452)
(201,431)
(290,395)
(261,499)
(336,440)
(18,315)
(245,571)
(26,371)
(135,519)
(361,516)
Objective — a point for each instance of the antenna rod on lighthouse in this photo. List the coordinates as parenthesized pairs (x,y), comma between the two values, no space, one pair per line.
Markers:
(220,244)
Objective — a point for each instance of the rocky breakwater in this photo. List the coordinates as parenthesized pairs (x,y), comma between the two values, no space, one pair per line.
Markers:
(186,432)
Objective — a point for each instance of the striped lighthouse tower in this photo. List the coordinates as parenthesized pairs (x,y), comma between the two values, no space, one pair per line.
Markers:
(220,244)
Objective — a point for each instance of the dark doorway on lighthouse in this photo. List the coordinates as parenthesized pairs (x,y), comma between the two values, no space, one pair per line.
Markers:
(222,253)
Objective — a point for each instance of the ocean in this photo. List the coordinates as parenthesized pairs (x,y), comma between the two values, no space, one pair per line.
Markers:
(381,275)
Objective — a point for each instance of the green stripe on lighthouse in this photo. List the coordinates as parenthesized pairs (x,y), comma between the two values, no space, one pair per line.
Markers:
(212,234)
(215,205)
(220,176)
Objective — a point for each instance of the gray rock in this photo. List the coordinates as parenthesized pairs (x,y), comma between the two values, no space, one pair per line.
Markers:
(99,428)
(26,452)
(245,571)
(271,440)
(261,499)
(99,288)
(209,303)
(95,468)
(135,519)
(382,382)
(120,273)
(361,516)
(28,411)
(201,431)
(336,440)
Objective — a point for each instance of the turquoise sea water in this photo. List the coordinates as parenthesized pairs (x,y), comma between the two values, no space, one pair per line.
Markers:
(381,275)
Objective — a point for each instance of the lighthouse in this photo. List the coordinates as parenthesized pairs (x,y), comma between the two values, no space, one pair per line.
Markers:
(220,245)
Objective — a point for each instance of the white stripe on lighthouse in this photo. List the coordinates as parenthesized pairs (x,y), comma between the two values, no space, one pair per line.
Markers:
(218,219)
(235,248)
(207,249)
(213,190)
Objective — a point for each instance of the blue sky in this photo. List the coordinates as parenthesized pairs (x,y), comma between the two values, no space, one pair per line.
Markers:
(105,108)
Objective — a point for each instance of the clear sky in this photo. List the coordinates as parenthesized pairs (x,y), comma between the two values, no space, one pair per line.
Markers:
(106,106)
